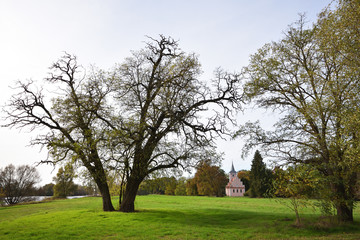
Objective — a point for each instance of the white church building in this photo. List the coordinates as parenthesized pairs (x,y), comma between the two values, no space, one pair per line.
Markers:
(235,187)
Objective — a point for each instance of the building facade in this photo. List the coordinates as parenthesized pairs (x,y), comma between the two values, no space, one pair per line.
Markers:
(235,187)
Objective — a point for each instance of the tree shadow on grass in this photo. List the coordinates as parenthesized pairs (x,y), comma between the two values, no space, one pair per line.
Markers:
(276,223)
(213,217)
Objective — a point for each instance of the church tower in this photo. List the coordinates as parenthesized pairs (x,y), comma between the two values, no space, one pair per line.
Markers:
(232,173)
(235,187)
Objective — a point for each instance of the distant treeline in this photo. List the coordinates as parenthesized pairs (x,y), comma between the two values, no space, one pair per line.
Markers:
(208,181)
(48,190)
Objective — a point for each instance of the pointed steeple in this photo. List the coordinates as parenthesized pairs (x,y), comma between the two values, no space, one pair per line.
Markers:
(232,168)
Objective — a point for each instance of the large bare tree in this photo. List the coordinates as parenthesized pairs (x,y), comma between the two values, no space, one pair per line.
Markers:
(167,116)
(17,183)
(68,122)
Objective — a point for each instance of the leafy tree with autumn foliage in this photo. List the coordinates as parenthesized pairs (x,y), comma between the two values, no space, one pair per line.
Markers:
(244,176)
(210,180)
(191,188)
(171,186)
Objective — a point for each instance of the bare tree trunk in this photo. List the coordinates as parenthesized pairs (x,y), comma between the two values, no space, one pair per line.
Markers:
(107,204)
(296,209)
(344,213)
(105,194)
(344,206)
(132,186)
(121,193)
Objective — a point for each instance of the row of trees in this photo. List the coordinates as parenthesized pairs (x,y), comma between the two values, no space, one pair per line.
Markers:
(209,180)
(48,190)
(163,185)
(18,184)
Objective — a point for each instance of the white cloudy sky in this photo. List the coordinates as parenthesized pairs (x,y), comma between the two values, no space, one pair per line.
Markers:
(33,34)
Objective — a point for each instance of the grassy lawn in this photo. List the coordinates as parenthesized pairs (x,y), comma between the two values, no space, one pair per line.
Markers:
(167,217)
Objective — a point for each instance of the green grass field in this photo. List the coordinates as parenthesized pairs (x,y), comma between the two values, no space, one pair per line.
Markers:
(167,217)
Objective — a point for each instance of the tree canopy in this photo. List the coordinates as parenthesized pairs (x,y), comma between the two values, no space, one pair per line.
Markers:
(162,106)
(308,77)
(209,180)
(70,129)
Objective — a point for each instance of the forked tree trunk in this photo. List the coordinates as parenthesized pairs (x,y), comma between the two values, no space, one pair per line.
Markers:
(132,186)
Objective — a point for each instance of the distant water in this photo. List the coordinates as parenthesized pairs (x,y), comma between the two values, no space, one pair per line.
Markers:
(40,198)
(72,197)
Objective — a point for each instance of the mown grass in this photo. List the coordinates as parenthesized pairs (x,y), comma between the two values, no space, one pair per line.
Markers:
(167,217)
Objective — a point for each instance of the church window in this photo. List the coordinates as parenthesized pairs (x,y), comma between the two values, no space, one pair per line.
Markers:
(233,190)
(237,190)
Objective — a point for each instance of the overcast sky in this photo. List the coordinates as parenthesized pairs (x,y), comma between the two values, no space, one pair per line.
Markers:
(33,34)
